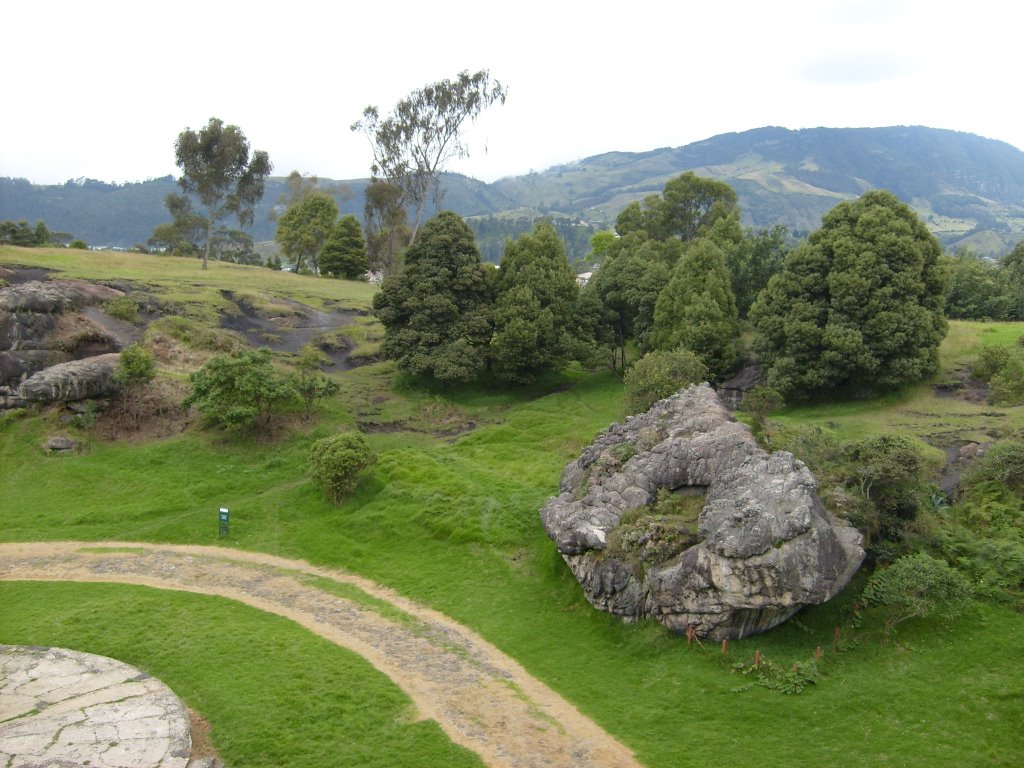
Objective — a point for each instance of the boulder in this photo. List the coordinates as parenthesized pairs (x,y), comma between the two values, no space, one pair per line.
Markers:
(17,366)
(52,296)
(61,444)
(762,546)
(73,380)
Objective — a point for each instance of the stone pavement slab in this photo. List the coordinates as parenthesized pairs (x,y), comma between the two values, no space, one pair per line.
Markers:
(66,708)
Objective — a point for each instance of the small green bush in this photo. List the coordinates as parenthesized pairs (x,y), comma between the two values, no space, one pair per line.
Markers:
(1003,463)
(990,361)
(123,308)
(336,461)
(658,375)
(1006,387)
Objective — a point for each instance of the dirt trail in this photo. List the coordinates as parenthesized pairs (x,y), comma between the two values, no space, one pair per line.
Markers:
(482,699)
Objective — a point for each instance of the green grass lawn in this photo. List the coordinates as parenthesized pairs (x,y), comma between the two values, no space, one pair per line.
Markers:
(452,521)
(274,694)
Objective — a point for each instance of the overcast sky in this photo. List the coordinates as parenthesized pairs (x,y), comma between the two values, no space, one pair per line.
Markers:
(101,89)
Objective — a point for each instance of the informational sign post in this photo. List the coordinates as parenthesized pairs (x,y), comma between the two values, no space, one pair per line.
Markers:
(225,519)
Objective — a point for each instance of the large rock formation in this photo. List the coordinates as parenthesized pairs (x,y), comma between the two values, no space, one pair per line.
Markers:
(46,327)
(73,380)
(762,547)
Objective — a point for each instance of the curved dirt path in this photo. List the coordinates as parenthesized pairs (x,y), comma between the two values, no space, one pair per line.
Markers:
(483,699)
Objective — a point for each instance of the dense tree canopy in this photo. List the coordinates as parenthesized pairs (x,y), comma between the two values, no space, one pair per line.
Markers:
(688,206)
(534,307)
(697,309)
(858,306)
(622,294)
(437,313)
(344,251)
(217,171)
(305,227)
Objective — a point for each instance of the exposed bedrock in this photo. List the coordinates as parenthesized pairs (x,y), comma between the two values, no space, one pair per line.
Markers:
(74,380)
(761,547)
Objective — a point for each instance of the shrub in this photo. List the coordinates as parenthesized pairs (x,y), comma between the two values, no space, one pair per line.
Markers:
(918,585)
(760,401)
(335,463)
(240,391)
(135,367)
(989,362)
(658,375)
(1006,387)
(123,308)
(1004,463)
(79,244)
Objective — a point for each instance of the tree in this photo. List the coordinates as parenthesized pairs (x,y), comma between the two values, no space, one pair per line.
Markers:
(183,234)
(387,227)
(305,227)
(298,187)
(42,233)
(859,306)
(687,207)
(310,383)
(697,309)
(660,374)
(753,261)
(623,293)
(217,170)
(536,295)
(918,585)
(423,133)
(335,463)
(240,391)
(436,314)
(344,251)
(135,369)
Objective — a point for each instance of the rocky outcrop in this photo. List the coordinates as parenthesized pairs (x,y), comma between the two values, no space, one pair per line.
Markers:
(47,323)
(54,296)
(74,380)
(762,546)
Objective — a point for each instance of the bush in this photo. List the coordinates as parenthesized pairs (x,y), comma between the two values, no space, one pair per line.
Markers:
(79,244)
(989,362)
(1006,387)
(240,391)
(760,401)
(123,308)
(918,585)
(335,463)
(658,375)
(1003,463)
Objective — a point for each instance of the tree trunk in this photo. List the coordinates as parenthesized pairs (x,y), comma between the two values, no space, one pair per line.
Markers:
(209,237)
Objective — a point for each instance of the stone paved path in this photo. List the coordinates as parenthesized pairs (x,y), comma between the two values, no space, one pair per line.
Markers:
(482,698)
(66,708)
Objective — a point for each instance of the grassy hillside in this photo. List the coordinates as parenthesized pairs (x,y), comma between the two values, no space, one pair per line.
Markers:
(449,517)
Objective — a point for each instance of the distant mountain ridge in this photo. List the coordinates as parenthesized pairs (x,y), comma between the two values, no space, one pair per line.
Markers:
(968,189)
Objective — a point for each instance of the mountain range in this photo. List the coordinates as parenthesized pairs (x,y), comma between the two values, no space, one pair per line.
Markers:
(969,190)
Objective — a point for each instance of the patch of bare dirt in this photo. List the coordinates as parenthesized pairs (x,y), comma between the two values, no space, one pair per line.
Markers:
(963,386)
(291,328)
(483,699)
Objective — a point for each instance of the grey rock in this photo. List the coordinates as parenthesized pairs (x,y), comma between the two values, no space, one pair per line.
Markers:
(16,366)
(74,380)
(49,296)
(766,545)
(61,444)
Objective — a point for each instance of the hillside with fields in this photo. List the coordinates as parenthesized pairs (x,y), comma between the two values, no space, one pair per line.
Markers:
(969,190)
(309,633)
